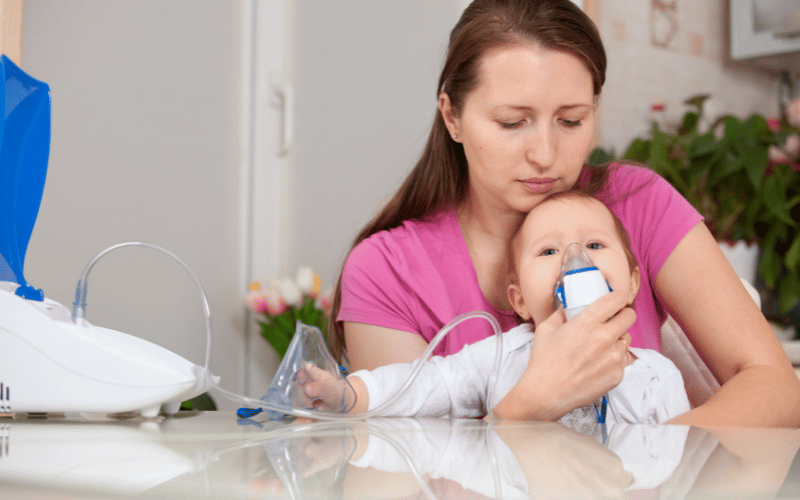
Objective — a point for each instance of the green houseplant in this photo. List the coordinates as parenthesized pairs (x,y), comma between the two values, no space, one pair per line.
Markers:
(732,175)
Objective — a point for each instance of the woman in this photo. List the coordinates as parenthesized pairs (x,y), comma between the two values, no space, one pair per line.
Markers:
(517,101)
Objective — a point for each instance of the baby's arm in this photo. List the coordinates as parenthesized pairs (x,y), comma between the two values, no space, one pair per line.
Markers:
(329,393)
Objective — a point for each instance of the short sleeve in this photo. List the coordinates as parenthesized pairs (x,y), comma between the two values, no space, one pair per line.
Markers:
(655,214)
(656,218)
(373,291)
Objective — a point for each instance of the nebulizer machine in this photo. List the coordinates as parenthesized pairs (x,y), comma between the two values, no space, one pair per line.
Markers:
(55,361)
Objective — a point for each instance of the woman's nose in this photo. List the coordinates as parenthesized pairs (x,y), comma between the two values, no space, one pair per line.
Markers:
(541,147)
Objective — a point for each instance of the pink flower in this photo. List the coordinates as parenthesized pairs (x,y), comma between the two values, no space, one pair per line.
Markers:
(793,113)
(255,298)
(773,124)
(275,304)
(325,302)
(658,106)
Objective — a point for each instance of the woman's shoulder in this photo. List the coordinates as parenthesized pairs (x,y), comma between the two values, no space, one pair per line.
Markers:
(414,232)
(409,240)
(626,180)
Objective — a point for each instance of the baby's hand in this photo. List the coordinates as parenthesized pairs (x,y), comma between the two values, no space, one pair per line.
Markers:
(322,390)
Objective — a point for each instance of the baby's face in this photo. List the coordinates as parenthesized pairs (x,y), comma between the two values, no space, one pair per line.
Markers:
(546,233)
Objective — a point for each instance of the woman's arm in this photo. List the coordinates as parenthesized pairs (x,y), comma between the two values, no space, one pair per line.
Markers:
(706,297)
(370,346)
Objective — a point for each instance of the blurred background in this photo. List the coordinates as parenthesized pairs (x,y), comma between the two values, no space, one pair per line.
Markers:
(251,137)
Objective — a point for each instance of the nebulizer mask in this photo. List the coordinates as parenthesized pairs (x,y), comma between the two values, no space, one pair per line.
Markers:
(579,284)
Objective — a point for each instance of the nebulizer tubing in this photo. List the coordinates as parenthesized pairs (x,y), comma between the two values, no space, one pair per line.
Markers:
(79,307)
(418,365)
(79,313)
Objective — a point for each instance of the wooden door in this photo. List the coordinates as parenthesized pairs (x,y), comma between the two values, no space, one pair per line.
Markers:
(11,29)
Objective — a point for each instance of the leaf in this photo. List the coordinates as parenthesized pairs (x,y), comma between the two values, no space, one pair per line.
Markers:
(789,292)
(792,257)
(729,164)
(769,262)
(754,157)
(599,156)
(689,124)
(277,337)
(774,196)
(639,150)
(697,101)
(286,321)
(704,145)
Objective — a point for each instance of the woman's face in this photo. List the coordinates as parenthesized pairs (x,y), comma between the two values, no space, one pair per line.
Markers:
(527,128)
(543,237)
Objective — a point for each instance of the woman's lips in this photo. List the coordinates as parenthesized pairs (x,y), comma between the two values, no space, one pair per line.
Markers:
(539,185)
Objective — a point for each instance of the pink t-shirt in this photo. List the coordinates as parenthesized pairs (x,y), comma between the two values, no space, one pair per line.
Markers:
(419,276)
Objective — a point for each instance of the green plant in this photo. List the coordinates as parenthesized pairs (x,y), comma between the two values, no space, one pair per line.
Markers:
(733,175)
(285,302)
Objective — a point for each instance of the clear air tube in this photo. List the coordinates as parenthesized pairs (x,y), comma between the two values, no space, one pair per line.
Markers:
(376,412)
(211,382)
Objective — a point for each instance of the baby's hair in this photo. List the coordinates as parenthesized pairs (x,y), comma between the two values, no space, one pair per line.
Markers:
(513,247)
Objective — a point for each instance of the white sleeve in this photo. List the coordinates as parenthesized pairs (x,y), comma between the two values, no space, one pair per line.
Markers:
(453,386)
(651,391)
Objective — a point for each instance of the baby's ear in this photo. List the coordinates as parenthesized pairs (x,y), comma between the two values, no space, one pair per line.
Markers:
(636,281)
(518,302)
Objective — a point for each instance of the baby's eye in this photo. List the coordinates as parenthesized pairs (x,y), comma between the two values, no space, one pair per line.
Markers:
(594,246)
(549,251)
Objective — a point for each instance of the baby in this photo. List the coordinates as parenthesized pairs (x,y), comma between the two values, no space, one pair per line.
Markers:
(651,390)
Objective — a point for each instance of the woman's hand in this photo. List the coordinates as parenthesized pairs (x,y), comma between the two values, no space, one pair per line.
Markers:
(572,363)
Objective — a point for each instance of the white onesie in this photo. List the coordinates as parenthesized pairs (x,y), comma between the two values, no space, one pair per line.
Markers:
(651,391)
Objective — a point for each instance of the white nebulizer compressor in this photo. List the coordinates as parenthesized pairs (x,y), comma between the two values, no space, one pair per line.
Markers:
(52,360)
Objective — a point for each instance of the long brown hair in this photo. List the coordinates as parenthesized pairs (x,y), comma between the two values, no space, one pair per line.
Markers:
(440,177)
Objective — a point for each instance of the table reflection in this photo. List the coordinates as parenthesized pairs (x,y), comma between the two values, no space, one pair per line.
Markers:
(214,455)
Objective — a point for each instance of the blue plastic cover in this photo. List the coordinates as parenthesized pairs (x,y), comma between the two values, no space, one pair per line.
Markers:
(24,152)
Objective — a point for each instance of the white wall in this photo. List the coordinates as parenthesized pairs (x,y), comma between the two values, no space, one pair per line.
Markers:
(145,136)
(365,73)
(694,61)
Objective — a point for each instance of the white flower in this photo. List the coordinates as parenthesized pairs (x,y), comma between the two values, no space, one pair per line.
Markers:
(291,294)
(305,279)
(792,146)
(777,155)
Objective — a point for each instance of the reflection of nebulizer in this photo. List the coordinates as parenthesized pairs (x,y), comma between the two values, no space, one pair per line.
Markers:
(579,284)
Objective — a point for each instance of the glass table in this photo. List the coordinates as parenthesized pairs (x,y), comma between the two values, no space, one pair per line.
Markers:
(216,455)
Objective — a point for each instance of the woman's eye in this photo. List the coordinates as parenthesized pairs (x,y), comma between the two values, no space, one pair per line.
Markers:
(511,125)
(594,246)
(571,123)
